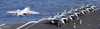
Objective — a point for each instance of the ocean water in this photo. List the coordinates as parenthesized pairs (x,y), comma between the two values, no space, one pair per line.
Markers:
(42,6)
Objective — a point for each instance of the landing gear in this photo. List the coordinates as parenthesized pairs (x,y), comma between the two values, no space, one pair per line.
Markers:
(30,14)
(27,15)
(20,16)
(16,13)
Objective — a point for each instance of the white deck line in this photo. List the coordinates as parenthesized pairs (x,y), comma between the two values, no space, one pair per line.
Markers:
(30,25)
(2,25)
(27,24)
(35,22)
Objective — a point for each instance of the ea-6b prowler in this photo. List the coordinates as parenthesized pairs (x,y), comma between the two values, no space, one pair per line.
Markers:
(23,12)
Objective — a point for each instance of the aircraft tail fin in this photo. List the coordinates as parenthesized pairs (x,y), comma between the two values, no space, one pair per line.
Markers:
(18,10)
(27,8)
(95,4)
(59,12)
(46,16)
(52,14)
(65,10)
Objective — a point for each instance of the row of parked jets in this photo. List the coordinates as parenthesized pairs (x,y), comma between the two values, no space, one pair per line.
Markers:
(70,15)
(61,18)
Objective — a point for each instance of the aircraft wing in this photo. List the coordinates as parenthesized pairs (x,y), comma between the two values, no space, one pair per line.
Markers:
(11,11)
(32,12)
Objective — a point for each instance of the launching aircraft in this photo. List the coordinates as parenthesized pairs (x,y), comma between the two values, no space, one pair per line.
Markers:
(23,12)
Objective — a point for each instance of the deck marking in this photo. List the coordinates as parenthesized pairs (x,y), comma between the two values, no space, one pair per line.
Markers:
(35,23)
(26,24)
(2,25)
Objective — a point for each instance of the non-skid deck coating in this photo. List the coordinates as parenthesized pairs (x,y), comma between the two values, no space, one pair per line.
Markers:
(89,21)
